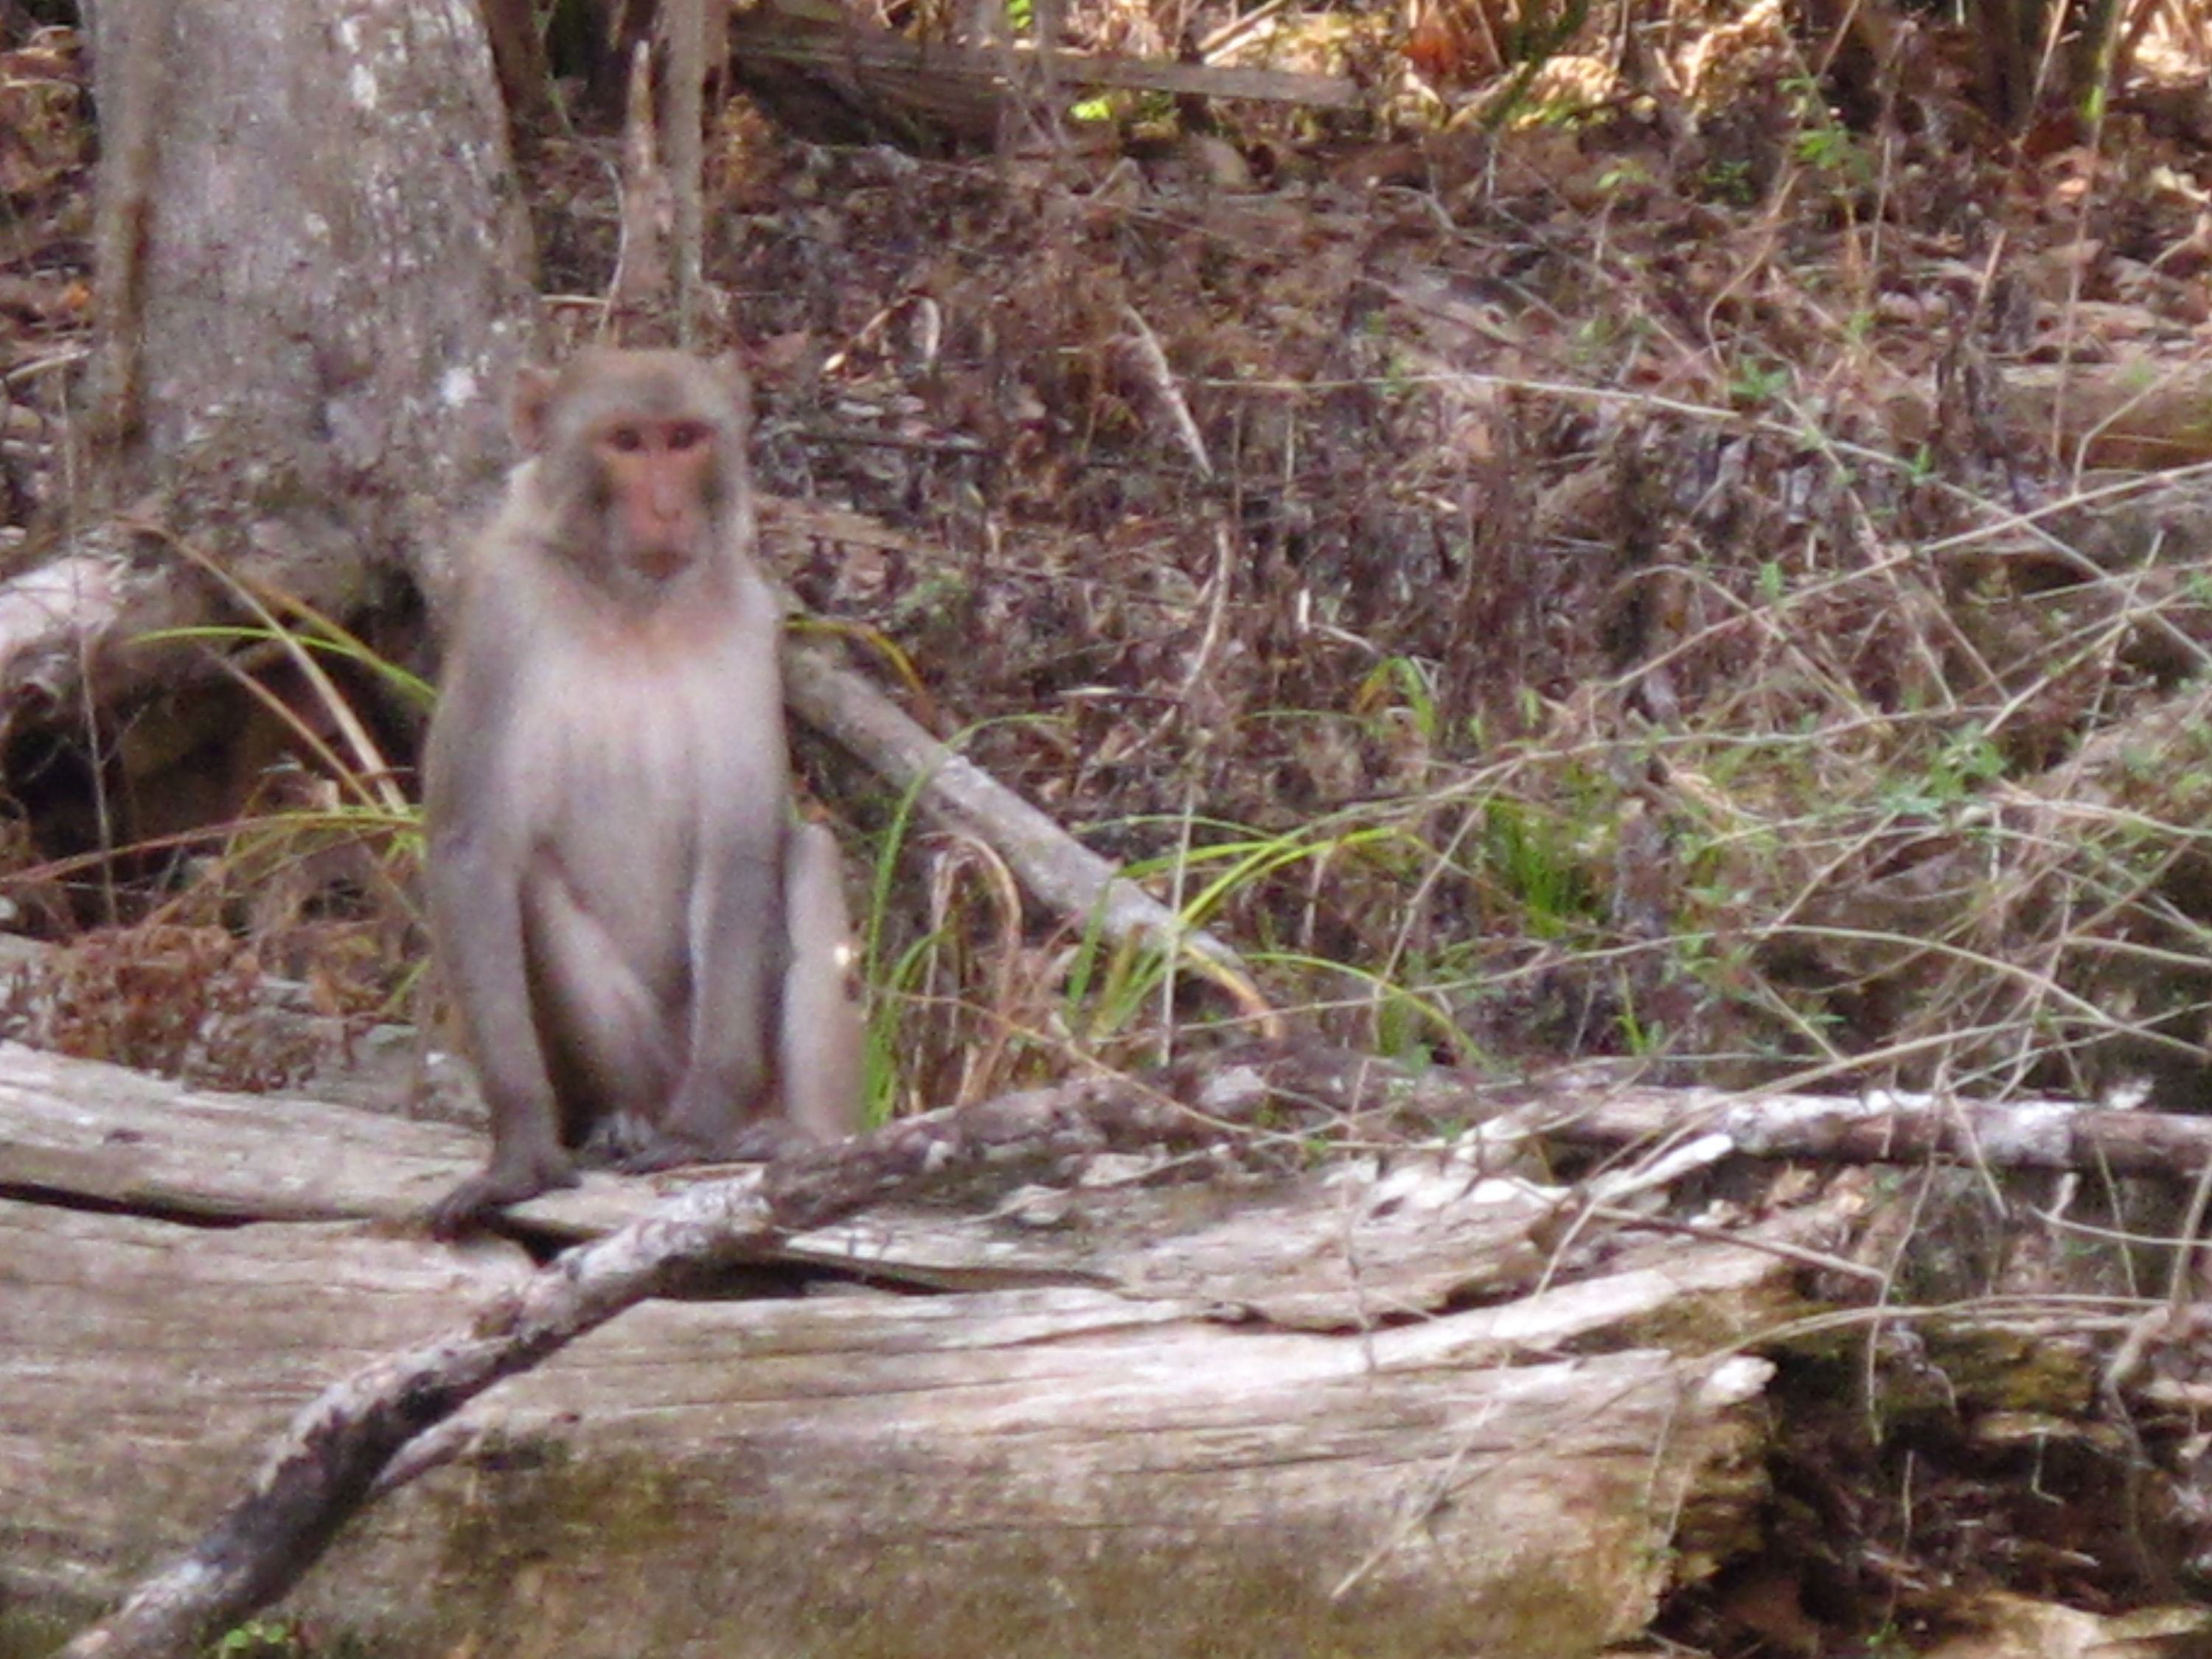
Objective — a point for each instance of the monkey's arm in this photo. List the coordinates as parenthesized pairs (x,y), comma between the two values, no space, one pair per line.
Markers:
(477,828)
(475,911)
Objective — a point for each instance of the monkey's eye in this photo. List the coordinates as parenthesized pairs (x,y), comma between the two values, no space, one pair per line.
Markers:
(627,440)
(687,435)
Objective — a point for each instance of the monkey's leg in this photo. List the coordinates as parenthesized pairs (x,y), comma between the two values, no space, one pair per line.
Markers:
(610,1046)
(724,1105)
(817,1028)
(614,1047)
(819,1035)
(590,1036)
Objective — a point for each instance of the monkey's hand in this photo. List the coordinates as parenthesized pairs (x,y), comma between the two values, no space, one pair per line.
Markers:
(466,1208)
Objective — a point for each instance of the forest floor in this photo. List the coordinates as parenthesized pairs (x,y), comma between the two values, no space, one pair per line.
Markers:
(1716,579)
(1554,592)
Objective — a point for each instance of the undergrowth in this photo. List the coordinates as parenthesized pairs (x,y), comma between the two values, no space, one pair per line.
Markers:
(1538,586)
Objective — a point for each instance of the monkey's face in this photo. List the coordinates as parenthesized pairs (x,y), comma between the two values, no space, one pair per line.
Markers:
(639,460)
(660,486)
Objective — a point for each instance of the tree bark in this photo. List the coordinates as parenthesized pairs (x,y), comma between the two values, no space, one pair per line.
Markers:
(312,289)
(314,283)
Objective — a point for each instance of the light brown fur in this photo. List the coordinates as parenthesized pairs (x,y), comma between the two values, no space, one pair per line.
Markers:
(635,930)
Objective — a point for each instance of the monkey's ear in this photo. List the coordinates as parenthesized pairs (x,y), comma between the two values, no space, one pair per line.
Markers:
(534,396)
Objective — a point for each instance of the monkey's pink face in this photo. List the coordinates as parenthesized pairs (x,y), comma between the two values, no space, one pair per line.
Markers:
(661,481)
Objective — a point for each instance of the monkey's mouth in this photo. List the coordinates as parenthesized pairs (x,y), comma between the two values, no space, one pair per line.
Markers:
(659,564)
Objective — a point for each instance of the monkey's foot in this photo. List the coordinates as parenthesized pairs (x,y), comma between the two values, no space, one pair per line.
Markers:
(471,1203)
(751,1143)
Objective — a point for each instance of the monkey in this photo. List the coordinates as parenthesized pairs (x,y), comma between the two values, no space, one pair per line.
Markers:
(638,934)
(820,1044)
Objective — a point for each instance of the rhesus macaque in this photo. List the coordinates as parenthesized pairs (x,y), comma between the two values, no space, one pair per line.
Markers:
(641,940)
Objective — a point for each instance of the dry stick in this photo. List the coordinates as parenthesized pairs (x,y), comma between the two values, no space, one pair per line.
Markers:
(131,123)
(1591,1106)
(1152,358)
(687,75)
(961,796)
(133,99)
(643,273)
(1887,1127)
(328,1462)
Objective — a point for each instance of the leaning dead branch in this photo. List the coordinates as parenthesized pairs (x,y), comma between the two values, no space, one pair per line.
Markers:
(960,795)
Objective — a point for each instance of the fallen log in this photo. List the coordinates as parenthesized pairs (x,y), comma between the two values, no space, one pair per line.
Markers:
(1256,1356)
(1340,1450)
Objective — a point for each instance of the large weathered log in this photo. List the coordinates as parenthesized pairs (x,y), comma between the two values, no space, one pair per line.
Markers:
(1092,1467)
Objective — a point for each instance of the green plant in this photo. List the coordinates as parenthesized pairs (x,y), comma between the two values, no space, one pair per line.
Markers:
(1728,179)
(1753,384)
(260,1638)
(1540,865)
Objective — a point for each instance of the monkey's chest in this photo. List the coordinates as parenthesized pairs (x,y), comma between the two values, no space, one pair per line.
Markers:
(660,805)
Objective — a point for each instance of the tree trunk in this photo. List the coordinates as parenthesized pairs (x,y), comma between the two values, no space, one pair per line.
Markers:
(316,269)
(313,280)
(312,286)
